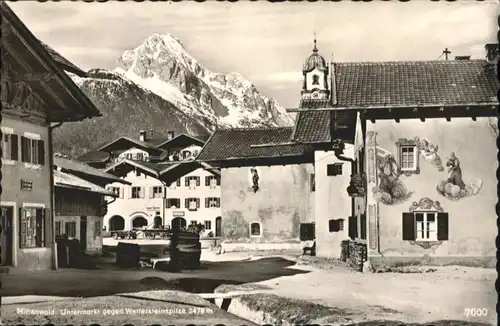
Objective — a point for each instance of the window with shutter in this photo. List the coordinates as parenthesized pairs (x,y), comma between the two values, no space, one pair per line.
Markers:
(41,152)
(14,149)
(207,181)
(198,181)
(186,179)
(33,227)
(48,226)
(442,226)
(186,203)
(179,182)
(408,224)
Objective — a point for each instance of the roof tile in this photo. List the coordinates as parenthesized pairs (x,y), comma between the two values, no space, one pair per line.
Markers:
(237,143)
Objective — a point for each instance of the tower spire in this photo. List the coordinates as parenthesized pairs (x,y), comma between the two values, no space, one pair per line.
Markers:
(315,48)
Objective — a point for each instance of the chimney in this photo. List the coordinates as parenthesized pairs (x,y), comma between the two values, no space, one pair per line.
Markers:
(462,57)
(492,52)
(142,135)
(170,135)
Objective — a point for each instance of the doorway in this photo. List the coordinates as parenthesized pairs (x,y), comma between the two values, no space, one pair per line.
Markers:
(218,226)
(83,233)
(178,223)
(6,235)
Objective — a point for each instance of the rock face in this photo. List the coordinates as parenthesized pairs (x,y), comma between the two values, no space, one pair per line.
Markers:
(159,86)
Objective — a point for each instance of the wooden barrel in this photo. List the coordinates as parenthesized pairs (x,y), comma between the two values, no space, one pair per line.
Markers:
(128,255)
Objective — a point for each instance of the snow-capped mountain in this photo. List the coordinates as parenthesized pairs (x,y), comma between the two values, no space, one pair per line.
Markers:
(158,86)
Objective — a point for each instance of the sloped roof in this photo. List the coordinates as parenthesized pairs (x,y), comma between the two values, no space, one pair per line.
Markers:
(66,180)
(71,104)
(375,85)
(162,141)
(239,143)
(94,156)
(62,61)
(75,166)
(131,140)
(413,83)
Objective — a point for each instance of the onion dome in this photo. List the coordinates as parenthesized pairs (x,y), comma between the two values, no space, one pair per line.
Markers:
(315,60)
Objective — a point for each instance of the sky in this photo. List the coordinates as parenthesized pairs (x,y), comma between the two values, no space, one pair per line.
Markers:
(265,42)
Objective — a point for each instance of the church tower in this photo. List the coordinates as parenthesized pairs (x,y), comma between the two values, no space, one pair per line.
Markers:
(315,71)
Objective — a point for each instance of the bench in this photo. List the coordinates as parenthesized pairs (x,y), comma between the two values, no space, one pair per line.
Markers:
(311,250)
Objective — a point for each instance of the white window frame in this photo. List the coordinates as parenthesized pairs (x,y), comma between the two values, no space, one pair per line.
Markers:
(192,182)
(132,192)
(157,194)
(425,227)
(209,223)
(415,157)
(250,229)
(190,205)
(32,136)
(8,131)
(18,231)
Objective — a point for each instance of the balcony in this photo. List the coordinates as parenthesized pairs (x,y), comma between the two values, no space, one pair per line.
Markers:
(357,186)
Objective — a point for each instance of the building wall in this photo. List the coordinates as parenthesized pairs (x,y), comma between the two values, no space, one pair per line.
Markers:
(202,191)
(147,207)
(472,217)
(94,231)
(331,202)
(12,195)
(283,201)
(130,208)
(134,152)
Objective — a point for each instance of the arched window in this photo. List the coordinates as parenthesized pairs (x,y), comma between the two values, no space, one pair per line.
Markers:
(255,229)
(315,80)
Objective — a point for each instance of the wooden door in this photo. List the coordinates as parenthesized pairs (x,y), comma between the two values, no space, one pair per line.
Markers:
(83,233)
(6,235)
(218,226)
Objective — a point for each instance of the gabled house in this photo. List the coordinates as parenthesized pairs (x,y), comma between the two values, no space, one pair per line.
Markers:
(80,202)
(37,96)
(266,185)
(168,194)
(408,175)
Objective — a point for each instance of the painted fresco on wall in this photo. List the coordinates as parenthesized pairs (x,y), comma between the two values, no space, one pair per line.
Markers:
(493,123)
(454,186)
(254,179)
(390,190)
(429,153)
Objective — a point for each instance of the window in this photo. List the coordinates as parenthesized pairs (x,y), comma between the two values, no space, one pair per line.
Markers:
(136,192)
(192,181)
(173,202)
(70,229)
(59,228)
(212,202)
(139,157)
(407,155)
(255,229)
(115,190)
(312,182)
(334,169)
(32,230)
(307,231)
(208,225)
(336,225)
(32,151)
(192,203)
(425,226)
(10,147)
(156,192)
(212,181)
(194,222)
(185,154)
(315,80)
(129,156)
(137,173)
(178,182)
